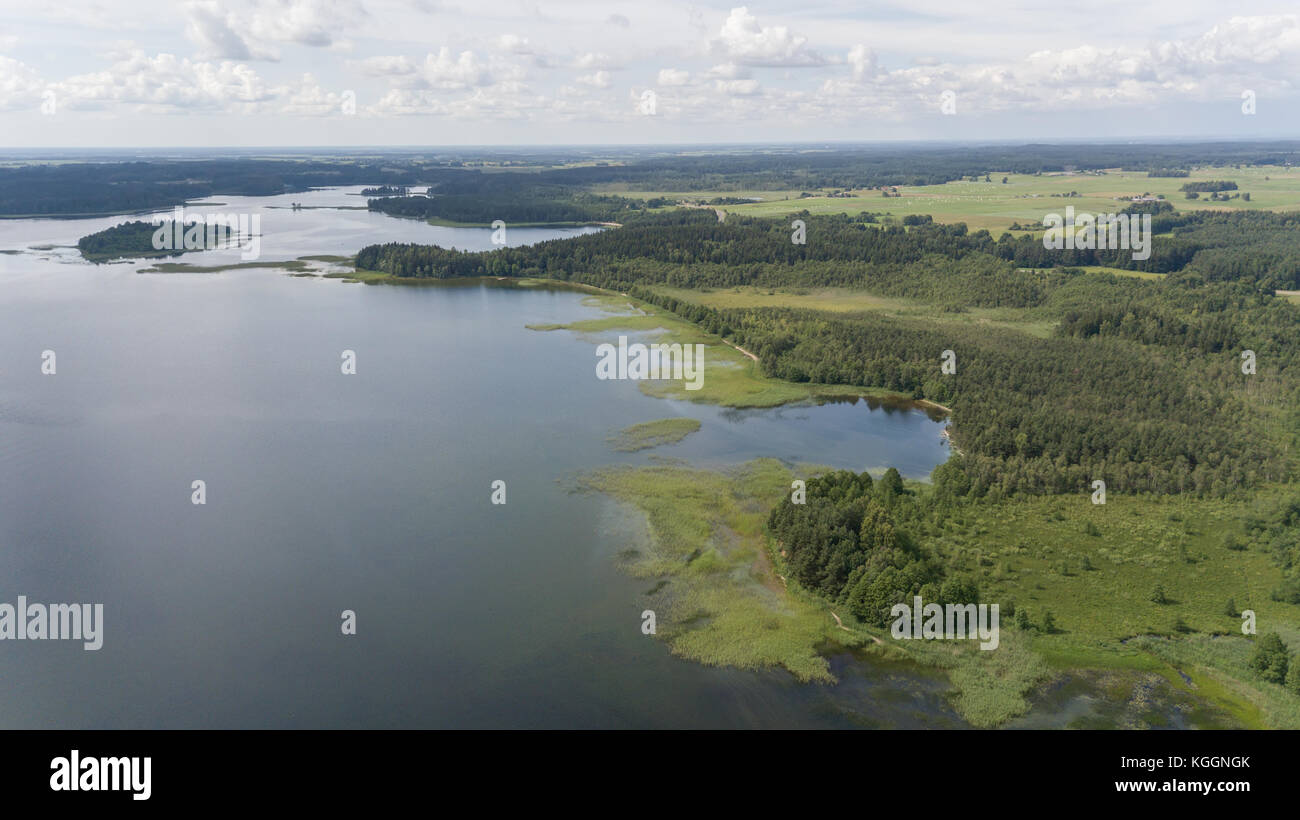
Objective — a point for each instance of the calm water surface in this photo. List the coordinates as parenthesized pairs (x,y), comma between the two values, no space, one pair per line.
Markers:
(369,492)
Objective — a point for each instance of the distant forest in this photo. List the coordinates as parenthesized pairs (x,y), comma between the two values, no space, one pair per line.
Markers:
(750,251)
(102,187)
(528,204)
(91,188)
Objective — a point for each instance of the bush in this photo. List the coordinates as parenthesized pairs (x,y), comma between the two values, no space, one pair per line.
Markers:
(1270,660)
(1022,619)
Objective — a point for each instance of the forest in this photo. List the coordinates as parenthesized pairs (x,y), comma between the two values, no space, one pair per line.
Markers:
(525,204)
(130,239)
(124,187)
(748,250)
(844,543)
(82,188)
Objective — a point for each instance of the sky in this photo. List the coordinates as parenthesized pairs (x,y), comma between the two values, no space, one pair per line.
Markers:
(123,73)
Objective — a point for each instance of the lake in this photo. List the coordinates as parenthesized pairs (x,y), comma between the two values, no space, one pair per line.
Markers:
(368,492)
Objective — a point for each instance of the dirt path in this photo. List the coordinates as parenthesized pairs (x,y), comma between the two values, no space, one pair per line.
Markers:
(742,350)
(934,404)
(722,215)
(841,625)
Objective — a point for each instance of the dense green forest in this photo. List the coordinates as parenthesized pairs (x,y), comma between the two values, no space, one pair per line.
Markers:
(845,543)
(751,251)
(128,240)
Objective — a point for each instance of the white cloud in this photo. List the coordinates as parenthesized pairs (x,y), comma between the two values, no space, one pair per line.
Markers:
(729,71)
(514,44)
(305,22)
(211,30)
(863,61)
(406,102)
(1261,53)
(742,88)
(308,98)
(441,70)
(594,60)
(221,34)
(387,66)
(889,67)
(165,83)
(20,85)
(463,71)
(506,102)
(743,40)
(673,76)
(597,79)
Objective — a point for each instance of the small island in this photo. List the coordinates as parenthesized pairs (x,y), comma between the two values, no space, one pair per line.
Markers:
(653,434)
(386,190)
(130,240)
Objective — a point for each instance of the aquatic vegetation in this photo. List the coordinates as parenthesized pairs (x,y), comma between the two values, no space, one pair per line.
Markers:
(649,434)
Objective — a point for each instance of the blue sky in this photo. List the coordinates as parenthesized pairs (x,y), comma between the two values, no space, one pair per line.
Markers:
(405,72)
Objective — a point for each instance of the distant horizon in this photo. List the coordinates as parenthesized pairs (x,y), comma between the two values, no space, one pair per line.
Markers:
(664,146)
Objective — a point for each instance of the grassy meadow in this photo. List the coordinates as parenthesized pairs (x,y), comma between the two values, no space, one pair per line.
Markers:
(731,378)
(1023,199)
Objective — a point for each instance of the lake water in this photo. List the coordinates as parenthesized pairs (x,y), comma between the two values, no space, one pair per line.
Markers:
(368,493)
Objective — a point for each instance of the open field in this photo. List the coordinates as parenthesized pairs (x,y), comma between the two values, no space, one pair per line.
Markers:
(1023,198)
(845,300)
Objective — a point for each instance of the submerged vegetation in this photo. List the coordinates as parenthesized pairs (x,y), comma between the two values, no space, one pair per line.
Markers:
(650,434)
(721,603)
